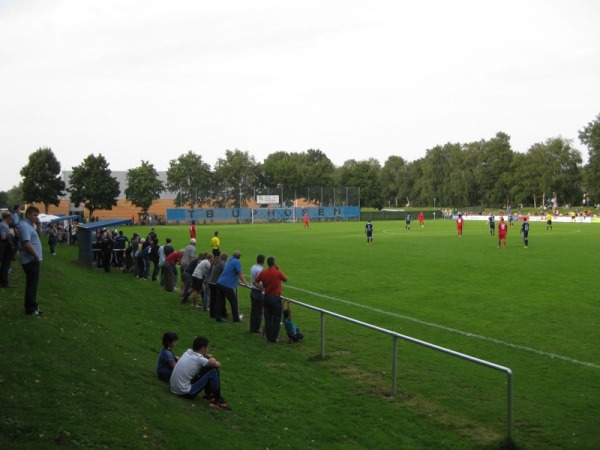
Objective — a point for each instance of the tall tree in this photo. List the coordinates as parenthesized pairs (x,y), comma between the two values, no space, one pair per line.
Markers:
(14,196)
(282,172)
(4,200)
(367,176)
(236,176)
(190,177)
(590,136)
(413,187)
(41,179)
(551,168)
(143,186)
(393,176)
(490,161)
(92,184)
(438,169)
(317,169)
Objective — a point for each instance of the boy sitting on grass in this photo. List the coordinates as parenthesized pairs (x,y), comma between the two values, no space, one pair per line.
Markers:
(166,357)
(293,333)
(197,370)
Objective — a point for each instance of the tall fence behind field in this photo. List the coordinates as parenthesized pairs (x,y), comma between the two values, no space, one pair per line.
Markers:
(325,196)
(394,353)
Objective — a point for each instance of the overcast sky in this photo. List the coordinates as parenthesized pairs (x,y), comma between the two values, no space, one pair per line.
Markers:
(150,79)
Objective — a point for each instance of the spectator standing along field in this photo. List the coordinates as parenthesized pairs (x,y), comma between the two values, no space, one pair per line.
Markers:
(269,280)
(256,297)
(30,257)
(226,284)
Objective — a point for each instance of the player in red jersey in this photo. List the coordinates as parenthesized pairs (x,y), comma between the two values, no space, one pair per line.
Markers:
(193,230)
(502,230)
(459,224)
(421,218)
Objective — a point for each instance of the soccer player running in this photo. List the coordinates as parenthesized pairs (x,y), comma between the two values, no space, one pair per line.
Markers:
(525,232)
(369,232)
(502,230)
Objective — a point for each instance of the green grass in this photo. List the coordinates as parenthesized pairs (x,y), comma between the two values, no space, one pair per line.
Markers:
(83,375)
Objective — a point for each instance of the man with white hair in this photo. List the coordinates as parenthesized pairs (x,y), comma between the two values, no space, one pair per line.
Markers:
(189,254)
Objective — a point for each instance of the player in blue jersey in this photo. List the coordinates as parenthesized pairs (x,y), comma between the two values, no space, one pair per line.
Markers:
(525,231)
(491,222)
(369,232)
(408,219)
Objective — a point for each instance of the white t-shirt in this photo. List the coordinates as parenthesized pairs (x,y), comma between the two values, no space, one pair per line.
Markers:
(201,269)
(186,368)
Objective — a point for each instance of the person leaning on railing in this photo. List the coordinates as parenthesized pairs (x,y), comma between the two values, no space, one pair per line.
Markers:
(269,280)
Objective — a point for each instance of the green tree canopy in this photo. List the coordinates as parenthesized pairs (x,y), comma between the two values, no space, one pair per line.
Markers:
(393,179)
(366,176)
(550,169)
(317,169)
(41,179)
(12,197)
(93,185)
(590,137)
(190,177)
(282,172)
(236,176)
(491,170)
(143,186)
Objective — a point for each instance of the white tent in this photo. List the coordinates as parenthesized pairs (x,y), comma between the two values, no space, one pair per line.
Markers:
(47,218)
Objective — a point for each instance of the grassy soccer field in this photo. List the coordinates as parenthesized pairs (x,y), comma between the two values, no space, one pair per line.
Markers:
(83,374)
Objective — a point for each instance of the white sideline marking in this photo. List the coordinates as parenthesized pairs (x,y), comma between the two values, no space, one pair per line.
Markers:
(453,330)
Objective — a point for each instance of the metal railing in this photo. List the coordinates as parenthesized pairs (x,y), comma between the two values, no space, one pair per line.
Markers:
(396,336)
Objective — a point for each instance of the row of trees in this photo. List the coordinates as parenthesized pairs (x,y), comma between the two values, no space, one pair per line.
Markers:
(487,173)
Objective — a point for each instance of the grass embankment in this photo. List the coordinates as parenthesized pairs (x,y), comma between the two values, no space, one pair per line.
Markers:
(83,374)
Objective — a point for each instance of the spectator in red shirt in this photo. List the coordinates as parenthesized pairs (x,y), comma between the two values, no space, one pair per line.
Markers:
(170,270)
(269,281)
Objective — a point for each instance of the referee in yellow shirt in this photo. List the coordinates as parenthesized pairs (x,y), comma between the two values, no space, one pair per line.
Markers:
(215,243)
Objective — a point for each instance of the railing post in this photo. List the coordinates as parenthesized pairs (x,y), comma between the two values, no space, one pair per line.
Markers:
(509,405)
(394,363)
(322,335)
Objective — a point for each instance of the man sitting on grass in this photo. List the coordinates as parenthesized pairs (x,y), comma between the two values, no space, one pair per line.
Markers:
(197,370)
